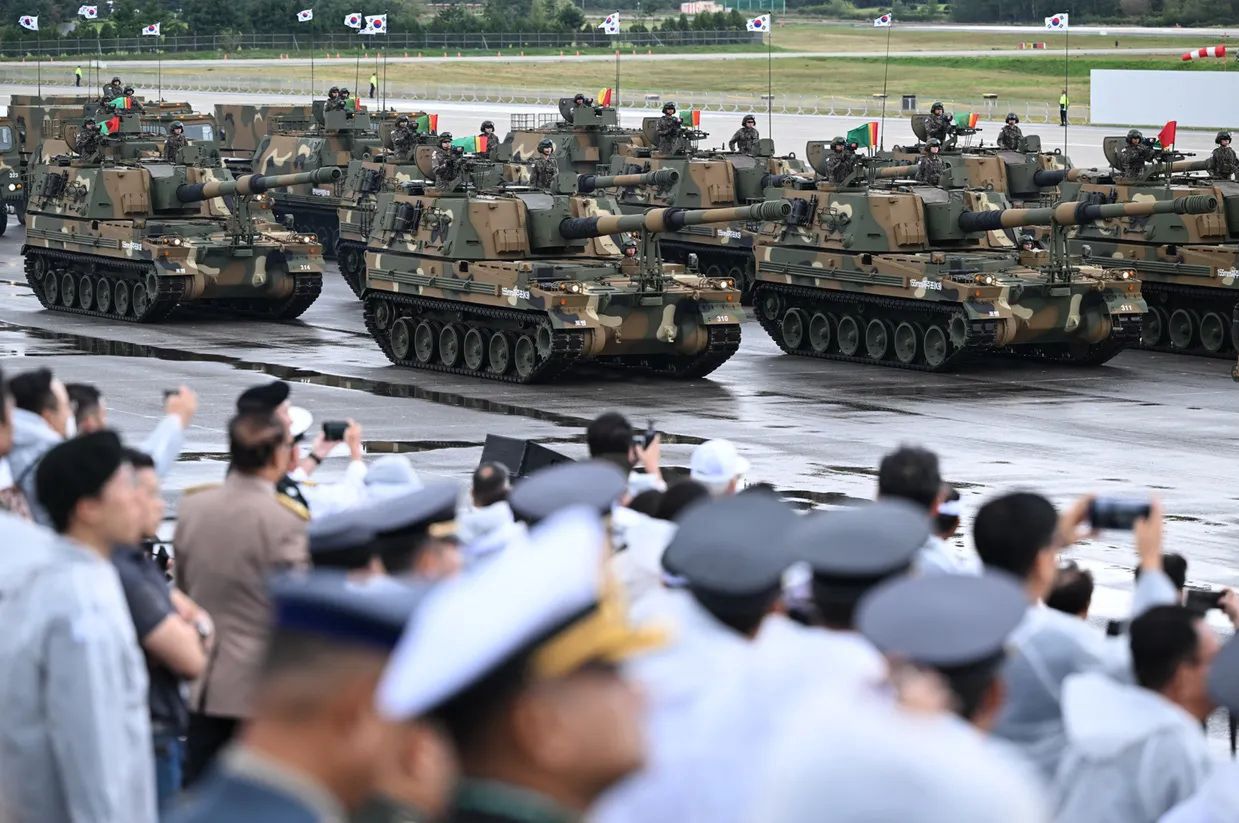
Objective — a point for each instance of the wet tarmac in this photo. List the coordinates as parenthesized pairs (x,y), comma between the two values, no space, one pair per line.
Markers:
(1145,423)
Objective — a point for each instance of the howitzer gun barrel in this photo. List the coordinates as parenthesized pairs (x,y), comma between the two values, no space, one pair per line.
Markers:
(587,183)
(1049,178)
(253,184)
(1178,166)
(660,220)
(900,170)
(1074,212)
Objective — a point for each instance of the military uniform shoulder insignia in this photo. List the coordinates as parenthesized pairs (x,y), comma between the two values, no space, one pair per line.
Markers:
(293,506)
(201,487)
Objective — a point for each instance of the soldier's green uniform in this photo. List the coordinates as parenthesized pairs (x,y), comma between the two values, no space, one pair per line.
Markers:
(939,123)
(841,163)
(669,127)
(88,140)
(114,89)
(930,167)
(488,131)
(176,140)
(1011,136)
(447,165)
(403,138)
(746,137)
(1223,163)
(1133,156)
(544,169)
(334,103)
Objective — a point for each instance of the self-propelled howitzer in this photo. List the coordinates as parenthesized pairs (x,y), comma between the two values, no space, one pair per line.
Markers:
(133,240)
(918,277)
(1188,263)
(525,285)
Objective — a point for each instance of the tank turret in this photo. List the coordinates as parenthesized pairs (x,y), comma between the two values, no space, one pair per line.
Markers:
(253,184)
(587,183)
(660,220)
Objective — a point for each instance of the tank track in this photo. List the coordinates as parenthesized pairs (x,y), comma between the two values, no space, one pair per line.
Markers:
(724,341)
(979,334)
(566,347)
(1125,335)
(1199,300)
(355,277)
(58,263)
(306,289)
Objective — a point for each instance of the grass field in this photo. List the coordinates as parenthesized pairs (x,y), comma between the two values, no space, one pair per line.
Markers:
(843,37)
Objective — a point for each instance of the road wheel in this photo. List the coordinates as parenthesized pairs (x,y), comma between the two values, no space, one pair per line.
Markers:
(141,300)
(401,339)
(424,342)
(907,340)
(793,328)
(935,346)
(770,304)
(474,350)
(382,315)
(848,335)
(86,291)
(103,295)
(877,339)
(51,288)
(1155,322)
(68,290)
(1213,332)
(449,346)
(120,298)
(499,353)
(1182,328)
(526,357)
(819,333)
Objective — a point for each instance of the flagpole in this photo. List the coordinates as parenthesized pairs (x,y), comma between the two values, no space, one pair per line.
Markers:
(617,73)
(1066,52)
(770,77)
(38,38)
(312,47)
(886,71)
(159,66)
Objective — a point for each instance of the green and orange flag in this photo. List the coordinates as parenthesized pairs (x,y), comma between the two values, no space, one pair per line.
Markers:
(691,118)
(428,123)
(121,103)
(110,126)
(473,144)
(967,120)
(864,135)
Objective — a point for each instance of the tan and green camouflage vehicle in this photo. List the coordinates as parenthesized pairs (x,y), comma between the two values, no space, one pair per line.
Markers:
(523,286)
(331,139)
(242,126)
(1188,264)
(131,236)
(585,139)
(366,179)
(12,178)
(1029,176)
(918,277)
(708,179)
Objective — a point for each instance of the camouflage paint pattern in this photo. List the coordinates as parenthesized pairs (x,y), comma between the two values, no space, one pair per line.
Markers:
(242,126)
(12,182)
(585,138)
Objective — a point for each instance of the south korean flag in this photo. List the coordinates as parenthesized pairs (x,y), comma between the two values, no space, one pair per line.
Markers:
(28,22)
(1056,23)
(761,23)
(611,25)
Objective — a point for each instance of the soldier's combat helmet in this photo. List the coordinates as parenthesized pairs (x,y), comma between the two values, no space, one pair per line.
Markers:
(838,144)
(128,91)
(937,106)
(487,124)
(89,122)
(668,106)
(176,124)
(933,143)
(1134,134)
(445,137)
(334,90)
(1221,135)
(1012,116)
(748,118)
(344,92)
(402,120)
(545,143)
(116,80)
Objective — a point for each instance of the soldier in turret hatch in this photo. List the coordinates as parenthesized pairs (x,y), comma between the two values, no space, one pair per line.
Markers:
(930,168)
(492,143)
(544,169)
(1132,157)
(333,100)
(403,137)
(939,123)
(840,164)
(113,90)
(1223,163)
(176,139)
(669,127)
(88,140)
(746,137)
(1011,136)
(447,164)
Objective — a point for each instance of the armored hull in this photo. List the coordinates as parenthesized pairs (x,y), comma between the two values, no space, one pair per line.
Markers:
(1188,264)
(135,238)
(544,288)
(921,277)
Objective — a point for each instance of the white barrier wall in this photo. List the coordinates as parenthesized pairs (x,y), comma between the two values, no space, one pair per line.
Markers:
(1150,98)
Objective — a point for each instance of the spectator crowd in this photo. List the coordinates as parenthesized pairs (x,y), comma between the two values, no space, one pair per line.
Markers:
(597,640)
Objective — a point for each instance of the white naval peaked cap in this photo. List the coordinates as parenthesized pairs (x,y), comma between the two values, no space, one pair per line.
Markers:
(473,623)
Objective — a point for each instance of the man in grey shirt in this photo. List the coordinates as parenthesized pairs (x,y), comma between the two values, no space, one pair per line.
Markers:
(75,736)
